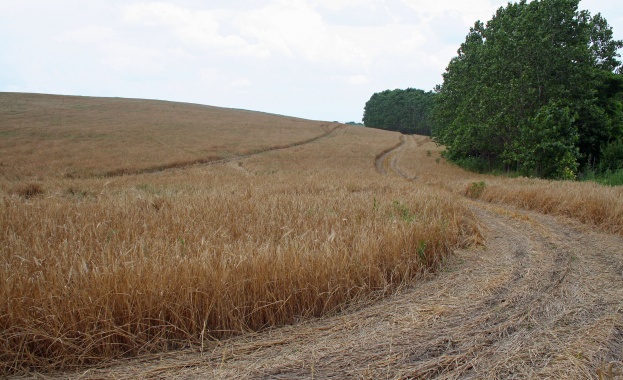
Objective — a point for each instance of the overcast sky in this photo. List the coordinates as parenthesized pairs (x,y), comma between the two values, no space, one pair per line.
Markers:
(316,59)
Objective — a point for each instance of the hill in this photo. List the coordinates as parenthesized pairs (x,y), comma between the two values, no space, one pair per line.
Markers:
(239,244)
(68,136)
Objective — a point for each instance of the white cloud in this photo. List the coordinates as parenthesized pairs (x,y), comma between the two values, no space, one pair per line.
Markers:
(295,29)
(208,74)
(469,11)
(124,57)
(336,5)
(358,80)
(195,28)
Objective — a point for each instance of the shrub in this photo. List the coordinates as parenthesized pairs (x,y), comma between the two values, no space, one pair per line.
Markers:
(476,189)
(612,157)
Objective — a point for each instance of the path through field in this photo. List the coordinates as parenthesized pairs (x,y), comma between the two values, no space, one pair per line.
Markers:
(543,298)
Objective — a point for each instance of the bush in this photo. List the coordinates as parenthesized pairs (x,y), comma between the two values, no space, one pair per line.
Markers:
(612,157)
(476,189)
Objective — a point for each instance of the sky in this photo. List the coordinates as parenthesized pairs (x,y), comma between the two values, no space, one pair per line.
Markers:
(315,59)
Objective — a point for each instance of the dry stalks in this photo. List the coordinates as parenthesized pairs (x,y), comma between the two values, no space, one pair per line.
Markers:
(126,274)
(100,268)
(43,136)
(591,203)
(96,269)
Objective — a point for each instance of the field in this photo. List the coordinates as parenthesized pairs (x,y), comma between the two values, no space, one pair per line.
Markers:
(243,244)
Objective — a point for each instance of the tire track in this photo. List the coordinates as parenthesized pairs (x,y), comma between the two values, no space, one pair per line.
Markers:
(545,255)
(382,160)
(388,159)
(328,132)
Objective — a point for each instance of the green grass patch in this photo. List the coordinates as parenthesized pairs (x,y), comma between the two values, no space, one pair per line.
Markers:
(476,189)
(609,177)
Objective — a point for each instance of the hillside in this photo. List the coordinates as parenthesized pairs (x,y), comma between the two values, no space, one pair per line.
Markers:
(146,239)
(68,136)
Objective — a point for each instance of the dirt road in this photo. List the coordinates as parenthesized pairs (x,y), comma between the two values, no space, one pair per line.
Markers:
(543,298)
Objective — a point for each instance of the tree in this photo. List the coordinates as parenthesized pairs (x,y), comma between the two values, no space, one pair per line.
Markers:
(534,89)
(406,111)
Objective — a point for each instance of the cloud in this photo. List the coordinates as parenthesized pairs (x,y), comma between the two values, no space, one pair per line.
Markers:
(338,5)
(358,80)
(295,29)
(195,28)
(124,57)
(468,11)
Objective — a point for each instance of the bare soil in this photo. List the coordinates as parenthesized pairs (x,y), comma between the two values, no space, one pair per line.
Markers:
(542,298)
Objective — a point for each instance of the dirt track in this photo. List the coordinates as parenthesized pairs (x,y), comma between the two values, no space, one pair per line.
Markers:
(542,299)
(329,130)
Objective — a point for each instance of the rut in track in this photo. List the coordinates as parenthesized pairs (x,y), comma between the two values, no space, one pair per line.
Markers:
(542,299)
(328,131)
(382,160)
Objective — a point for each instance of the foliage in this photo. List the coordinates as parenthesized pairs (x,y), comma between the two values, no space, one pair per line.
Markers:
(612,156)
(476,189)
(406,111)
(610,168)
(546,144)
(609,177)
(537,89)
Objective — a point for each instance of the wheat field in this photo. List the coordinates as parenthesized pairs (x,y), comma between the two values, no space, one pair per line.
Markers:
(595,205)
(109,250)
(130,227)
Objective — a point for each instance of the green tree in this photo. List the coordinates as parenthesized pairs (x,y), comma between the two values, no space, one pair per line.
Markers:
(547,143)
(406,111)
(534,89)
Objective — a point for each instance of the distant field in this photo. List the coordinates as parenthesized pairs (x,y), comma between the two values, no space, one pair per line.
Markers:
(130,227)
(43,136)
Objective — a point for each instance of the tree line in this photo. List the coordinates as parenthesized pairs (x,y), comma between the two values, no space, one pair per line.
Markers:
(538,89)
(405,111)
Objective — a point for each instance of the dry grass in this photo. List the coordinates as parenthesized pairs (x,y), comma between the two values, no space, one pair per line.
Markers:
(126,273)
(175,255)
(76,137)
(541,300)
(591,203)
(28,190)
(100,268)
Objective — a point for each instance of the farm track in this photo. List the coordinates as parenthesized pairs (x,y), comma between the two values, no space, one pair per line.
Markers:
(328,132)
(382,160)
(542,299)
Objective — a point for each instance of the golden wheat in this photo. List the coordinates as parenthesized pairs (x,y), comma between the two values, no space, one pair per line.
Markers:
(45,136)
(591,203)
(100,268)
(113,275)
(97,267)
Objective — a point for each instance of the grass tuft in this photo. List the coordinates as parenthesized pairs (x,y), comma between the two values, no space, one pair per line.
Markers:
(29,190)
(475,190)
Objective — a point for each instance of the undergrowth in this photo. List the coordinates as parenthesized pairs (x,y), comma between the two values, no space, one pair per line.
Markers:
(609,177)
